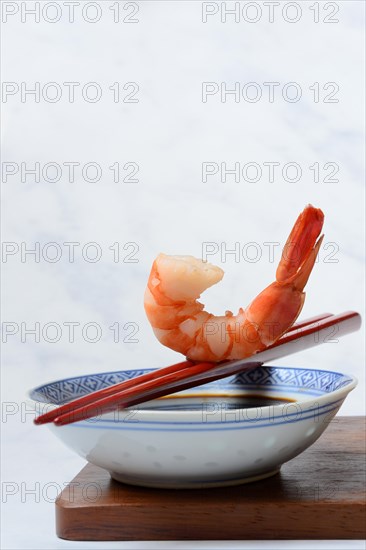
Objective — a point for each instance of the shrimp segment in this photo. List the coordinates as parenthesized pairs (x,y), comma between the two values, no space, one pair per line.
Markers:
(180,322)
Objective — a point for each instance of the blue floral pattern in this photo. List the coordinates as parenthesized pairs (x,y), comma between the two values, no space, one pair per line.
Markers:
(317,381)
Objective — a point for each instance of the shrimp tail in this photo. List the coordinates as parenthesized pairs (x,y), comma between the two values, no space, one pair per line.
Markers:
(278,306)
(301,249)
(301,277)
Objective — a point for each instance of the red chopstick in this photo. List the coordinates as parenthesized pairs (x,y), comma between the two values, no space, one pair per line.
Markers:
(109,390)
(92,397)
(202,373)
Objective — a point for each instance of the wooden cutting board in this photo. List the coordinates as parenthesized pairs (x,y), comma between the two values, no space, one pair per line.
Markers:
(318,495)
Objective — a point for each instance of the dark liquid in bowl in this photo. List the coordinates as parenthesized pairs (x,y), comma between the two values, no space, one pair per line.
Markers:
(197,402)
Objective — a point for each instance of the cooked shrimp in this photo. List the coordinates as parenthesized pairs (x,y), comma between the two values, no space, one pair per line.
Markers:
(180,322)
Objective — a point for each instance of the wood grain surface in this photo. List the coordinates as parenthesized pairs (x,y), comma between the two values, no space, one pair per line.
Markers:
(317,495)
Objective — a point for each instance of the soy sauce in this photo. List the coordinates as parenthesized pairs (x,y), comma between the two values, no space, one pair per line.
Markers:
(198,402)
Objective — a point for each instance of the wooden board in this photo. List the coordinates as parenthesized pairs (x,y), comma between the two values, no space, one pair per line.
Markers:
(318,495)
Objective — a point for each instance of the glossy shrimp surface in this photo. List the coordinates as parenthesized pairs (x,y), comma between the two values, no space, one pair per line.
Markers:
(180,322)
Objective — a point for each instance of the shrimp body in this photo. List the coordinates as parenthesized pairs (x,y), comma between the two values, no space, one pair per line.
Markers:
(180,322)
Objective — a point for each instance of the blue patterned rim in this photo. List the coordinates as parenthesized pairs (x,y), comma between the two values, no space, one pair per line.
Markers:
(310,381)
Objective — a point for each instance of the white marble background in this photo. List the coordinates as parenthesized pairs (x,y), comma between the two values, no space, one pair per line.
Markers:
(169,133)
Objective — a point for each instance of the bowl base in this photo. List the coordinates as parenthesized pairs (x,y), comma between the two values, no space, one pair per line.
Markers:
(162,484)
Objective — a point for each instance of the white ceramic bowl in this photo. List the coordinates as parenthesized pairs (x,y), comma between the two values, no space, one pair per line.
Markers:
(195,439)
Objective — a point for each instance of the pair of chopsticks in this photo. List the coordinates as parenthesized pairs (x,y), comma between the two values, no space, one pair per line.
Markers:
(187,374)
